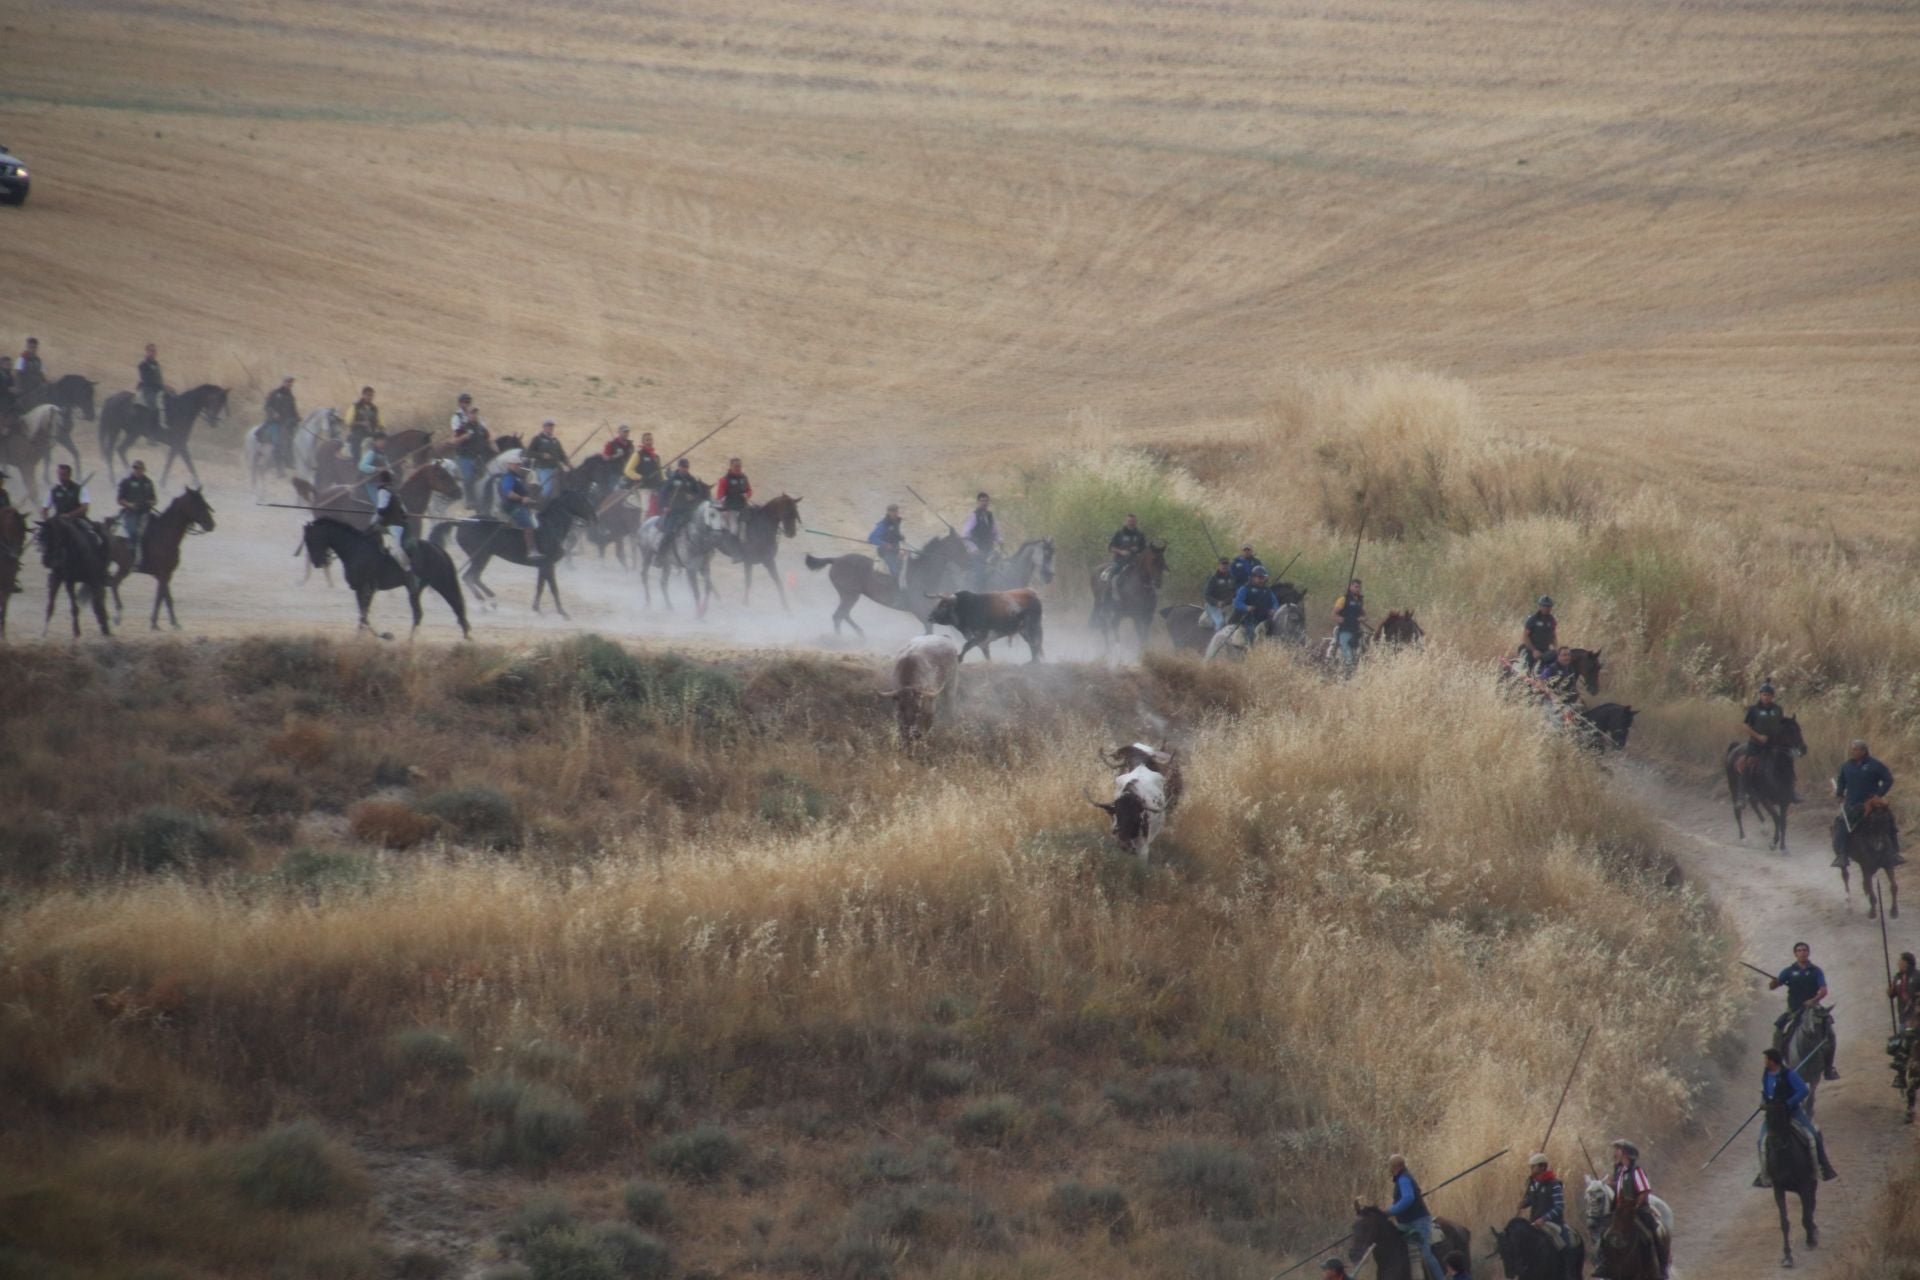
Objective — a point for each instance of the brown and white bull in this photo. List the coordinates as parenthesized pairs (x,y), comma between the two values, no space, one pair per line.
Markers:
(926,673)
(981,617)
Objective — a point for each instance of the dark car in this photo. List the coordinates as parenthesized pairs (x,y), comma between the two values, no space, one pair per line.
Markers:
(13,177)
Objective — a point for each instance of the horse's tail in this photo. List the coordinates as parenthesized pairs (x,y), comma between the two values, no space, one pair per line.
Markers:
(816,562)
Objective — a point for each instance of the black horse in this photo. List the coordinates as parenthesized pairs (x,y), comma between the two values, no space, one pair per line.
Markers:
(76,558)
(486,540)
(71,394)
(1529,1253)
(1790,1168)
(13,545)
(1765,782)
(370,569)
(1129,593)
(124,420)
(1874,846)
(935,569)
(761,529)
(1605,727)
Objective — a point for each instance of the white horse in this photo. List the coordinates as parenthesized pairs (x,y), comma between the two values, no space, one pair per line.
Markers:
(691,549)
(316,429)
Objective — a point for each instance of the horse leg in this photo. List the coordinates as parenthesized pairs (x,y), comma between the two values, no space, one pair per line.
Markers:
(53,598)
(1808,1200)
(1873,900)
(1786,1227)
(746,597)
(1733,793)
(413,599)
(553,586)
(773,571)
(186,456)
(1846,884)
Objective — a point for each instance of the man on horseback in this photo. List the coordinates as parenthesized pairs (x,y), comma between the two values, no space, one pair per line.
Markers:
(1557,677)
(517,503)
(1628,1177)
(888,539)
(1126,543)
(731,495)
(1216,598)
(643,469)
(981,532)
(1778,1081)
(1543,1202)
(282,418)
(152,386)
(1409,1208)
(137,501)
(620,448)
(365,419)
(1350,623)
(473,444)
(390,522)
(1862,780)
(1762,726)
(1904,991)
(373,461)
(1254,606)
(1806,985)
(547,456)
(679,497)
(69,501)
(1539,634)
(28,373)
(1242,567)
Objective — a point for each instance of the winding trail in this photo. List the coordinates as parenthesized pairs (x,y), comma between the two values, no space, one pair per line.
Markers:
(1726,1228)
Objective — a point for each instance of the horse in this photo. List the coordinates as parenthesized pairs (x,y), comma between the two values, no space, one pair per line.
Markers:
(123,420)
(761,528)
(1187,627)
(1395,1256)
(1399,628)
(1765,782)
(1128,592)
(1788,1160)
(1808,1045)
(1527,1252)
(319,428)
(1873,845)
(689,547)
(13,545)
(74,559)
(935,569)
(369,568)
(1623,1247)
(165,532)
(416,492)
(1604,727)
(486,540)
(70,392)
(407,448)
(28,446)
(1033,558)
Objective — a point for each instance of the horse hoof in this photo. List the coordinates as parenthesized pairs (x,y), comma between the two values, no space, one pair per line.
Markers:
(384,635)
(1787,1262)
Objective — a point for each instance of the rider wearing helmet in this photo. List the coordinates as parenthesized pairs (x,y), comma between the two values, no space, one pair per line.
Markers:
(1540,634)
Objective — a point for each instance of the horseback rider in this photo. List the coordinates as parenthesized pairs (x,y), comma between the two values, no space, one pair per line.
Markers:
(1627,1174)
(70,501)
(547,456)
(731,496)
(473,443)
(282,417)
(1762,725)
(364,417)
(643,469)
(679,496)
(1126,543)
(1904,991)
(1539,634)
(1350,623)
(1861,780)
(517,501)
(28,373)
(619,449)
(137,500)
(888,539)
(1242,567)
(1543,1202)
(1557,677)
(1216,598)
(1254,606)
(1780,1082)
(390,523)
(1409,1208)
(462,410)
(981,532)
(373,461)
(152,386)
(1806,985)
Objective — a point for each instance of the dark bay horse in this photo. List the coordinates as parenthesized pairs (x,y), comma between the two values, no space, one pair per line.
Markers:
(761,529)
(1129,593)
(165,532)
(936,569)
(1605,727)
(1765,782)
(1393,1255)
(13,545)
(487,540)
(369,568)
(124,420)
(1528,1253)
(1400,628)
(1187,627)
(416,492)
(1873,845)
(1790,1168)
(77,560)
(1624,1249)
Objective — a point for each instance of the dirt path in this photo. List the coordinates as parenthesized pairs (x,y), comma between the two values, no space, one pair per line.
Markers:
(1726,1228)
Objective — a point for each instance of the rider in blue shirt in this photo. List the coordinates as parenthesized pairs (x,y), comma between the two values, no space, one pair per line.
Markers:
(1410,1213)
(1805,984)
(1243,566)
(517,502)
(1254,605)
(1777,1079)
(1861,778)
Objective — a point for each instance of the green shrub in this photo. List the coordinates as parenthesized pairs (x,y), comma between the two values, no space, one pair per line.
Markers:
(496,1096)
(269,791)
(319,871)
(1079,1207)
(307,664)
(1217,1181)
(943,1079)
(161,837)
(1168,1092)
(546,1124)
(990,1120)
(650,690)
(634,1254)
(423,1051)
(885,1162)
(700,1154)
(537,1217)
(478,814)
(296,1167)
(790,802)
(647,1204)
(569,1253)
(1080,503)
(912,1220)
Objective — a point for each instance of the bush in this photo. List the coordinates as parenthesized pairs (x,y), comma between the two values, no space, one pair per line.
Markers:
(990,1120)
(422,1051)
(269,791)
(303,743)
(536,1218)
(1172,1091)
(569,1254)
(496,1096)
(296,1167)
(479,814)
(508,1271)
(790,802)
(319,871)
(931,1217)
(389,824)
(533,1124)
(649,690)
(647,1204)
(633,1252)
(887,1163)
(1218,1181)
(942,1079)
(700,1154)
(1079,1207)
(161,837)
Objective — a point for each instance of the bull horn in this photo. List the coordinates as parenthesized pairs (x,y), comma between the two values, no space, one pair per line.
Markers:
(1104,808)
(889,694)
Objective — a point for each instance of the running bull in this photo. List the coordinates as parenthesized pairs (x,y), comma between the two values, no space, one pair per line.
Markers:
(981,617)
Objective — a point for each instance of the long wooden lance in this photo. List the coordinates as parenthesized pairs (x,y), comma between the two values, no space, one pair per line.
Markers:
(1211,544)
(367,511)
(936,515)
(1334,1244)
(1588,1155)
(1354,567)
(1886,958)
(1763,1106)
(1757,969)
(841,537)
(688,451)
(1281,576)
(1566,1087)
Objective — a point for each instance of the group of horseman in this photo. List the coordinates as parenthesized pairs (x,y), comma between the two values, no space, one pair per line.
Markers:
(979,533)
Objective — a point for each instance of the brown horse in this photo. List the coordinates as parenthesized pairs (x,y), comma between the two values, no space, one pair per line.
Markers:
(1873,844)
(935,569)
(165,533)
(13,545)
(1625,1249)
(1395,1257)
(406,449)
(761,529)
(1399,628)
(416,492)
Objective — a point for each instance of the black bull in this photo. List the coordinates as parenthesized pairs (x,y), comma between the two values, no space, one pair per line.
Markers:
(981,617)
